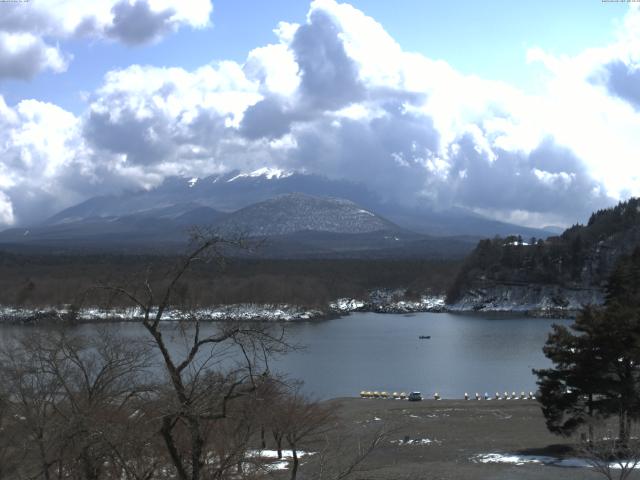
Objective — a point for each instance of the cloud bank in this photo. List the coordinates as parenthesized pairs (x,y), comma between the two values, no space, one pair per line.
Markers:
(336,96)
(30,31)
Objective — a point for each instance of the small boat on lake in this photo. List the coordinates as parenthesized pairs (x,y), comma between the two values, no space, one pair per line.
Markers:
(424,337)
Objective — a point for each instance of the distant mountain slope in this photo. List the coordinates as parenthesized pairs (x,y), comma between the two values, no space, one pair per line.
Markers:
(564,271)
(288,226)
(299,212)
(236,190)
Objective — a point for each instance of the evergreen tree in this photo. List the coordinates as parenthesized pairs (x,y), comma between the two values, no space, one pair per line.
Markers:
(596,372)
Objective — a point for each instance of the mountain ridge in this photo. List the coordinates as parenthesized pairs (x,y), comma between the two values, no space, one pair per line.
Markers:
(235,190)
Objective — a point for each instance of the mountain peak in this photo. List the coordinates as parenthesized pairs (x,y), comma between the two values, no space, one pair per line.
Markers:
(268,172)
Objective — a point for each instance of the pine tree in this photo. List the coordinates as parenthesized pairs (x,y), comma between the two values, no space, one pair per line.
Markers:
(596,362)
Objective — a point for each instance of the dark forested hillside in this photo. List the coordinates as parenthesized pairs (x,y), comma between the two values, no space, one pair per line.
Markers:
(579,260)
(52,280)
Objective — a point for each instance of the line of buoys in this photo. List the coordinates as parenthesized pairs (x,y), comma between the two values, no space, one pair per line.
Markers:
(376,394)
(436,396)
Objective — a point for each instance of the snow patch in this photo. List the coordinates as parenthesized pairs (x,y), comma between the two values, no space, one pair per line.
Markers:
(569,462)
(367,212)
(414,442)
(280,464)
(269,173)
(389,301)
(246,312)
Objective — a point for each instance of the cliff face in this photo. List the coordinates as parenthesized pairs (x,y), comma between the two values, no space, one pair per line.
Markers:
(541,300)
(556,275)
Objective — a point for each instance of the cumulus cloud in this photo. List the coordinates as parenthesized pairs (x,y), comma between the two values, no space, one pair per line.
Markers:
(6,210)
(336,96)
(23,55)
(624,81)
(30,31)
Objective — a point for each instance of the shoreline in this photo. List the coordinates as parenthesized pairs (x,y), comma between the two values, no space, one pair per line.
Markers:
(258,313)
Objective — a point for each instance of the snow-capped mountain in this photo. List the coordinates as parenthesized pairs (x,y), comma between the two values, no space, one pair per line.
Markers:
(227,193)
(286,226)
(235,190)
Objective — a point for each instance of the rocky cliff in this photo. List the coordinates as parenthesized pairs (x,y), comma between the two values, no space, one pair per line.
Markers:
(553,276)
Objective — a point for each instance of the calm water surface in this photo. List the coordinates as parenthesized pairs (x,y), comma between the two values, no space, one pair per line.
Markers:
(368,351)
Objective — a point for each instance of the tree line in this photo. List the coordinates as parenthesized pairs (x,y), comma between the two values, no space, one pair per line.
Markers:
(42,281)
(582,256)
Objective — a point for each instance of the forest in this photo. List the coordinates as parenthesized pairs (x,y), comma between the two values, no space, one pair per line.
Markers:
(582,256)
(28,280)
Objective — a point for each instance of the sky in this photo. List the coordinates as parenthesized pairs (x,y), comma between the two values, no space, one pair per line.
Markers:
(521,111)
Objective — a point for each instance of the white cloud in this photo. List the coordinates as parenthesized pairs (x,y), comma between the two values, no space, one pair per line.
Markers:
(23,55)
(6,210)
(559,179)
(30,31)
(335,95)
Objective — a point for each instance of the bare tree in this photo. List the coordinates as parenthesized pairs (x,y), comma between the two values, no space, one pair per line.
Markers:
(301,420)
(8,452)
(219,365)
(343,455)
(609,456)
(66,393)
(32,396)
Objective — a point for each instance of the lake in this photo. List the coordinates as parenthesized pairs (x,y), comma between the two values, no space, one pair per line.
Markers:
(369,351)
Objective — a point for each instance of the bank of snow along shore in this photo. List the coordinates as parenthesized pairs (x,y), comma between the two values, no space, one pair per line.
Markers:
(380,301)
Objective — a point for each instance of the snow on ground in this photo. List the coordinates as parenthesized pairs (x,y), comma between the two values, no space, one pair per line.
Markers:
(249,312)
(381,301)
(346,305)
(515,459)
(277,464)
(389,301)
(414,442)
(286,454)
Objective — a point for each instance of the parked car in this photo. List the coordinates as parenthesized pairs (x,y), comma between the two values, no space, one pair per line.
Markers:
(415,396)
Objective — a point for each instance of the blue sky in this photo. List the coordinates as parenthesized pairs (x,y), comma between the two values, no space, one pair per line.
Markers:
(489,39)
(520,111)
